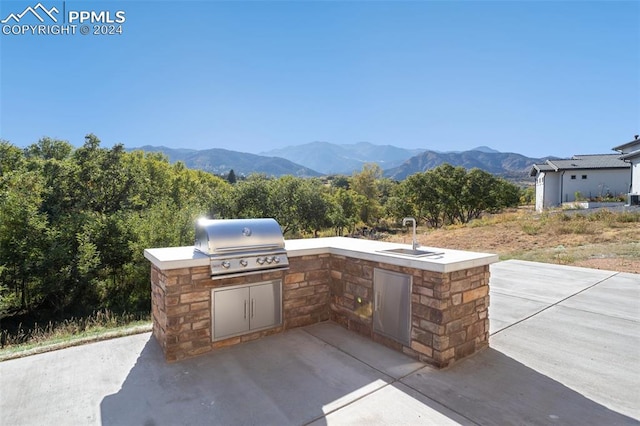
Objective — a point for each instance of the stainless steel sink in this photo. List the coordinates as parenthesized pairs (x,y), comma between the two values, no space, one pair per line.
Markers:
(411,252)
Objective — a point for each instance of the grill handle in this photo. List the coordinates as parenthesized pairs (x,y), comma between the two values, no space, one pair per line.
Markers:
(252,272)
(249,248)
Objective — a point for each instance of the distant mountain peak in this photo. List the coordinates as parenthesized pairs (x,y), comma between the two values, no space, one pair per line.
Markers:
(484,148)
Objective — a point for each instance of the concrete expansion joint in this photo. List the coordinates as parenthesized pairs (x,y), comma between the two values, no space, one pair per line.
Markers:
(359,360)
(555,303)
(443,403)
(390,382)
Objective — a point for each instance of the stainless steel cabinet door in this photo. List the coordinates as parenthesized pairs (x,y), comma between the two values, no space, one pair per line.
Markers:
(392,305)
(230,312)
(238,310)
(265,305)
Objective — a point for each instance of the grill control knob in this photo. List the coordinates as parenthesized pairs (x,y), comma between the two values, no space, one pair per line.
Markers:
(260,260)
(269,259)
(243,262)
(226,264)
(276,259)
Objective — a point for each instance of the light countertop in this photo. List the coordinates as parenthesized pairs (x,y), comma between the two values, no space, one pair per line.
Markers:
(446,261)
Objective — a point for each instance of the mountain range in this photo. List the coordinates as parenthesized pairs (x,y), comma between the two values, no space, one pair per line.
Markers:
(324,158)
(505,164)
(221,161)
(328,158)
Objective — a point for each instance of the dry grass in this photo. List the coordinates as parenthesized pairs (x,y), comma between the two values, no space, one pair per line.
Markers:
(602,240)
(75,331)
(19,351)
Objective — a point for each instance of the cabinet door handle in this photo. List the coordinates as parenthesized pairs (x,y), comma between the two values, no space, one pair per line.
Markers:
(245,309)
(377,301)
(253,307)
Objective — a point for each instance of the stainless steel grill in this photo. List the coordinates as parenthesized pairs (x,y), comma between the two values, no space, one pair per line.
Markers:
(241,246)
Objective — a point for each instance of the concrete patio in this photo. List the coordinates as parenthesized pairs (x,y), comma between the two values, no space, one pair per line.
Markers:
(565,344)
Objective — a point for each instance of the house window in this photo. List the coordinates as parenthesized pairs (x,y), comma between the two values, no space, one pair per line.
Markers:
(584,177)
(573,177)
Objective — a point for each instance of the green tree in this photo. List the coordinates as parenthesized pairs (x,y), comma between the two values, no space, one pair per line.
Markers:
(365,183)
(101,183)
(340,181)
(477,194)
(285,196)
(448,194)
(505,194)
(22,246)
(11,157)
(231,177)
(528,196)
(47,149)
(449,184)
(344,209)
(252,197)
(312,207)
(421,192)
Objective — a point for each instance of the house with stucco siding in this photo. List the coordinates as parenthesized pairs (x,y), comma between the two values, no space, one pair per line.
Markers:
(589,176)
(631,154)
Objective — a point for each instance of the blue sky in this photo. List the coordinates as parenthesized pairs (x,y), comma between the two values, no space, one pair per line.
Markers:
(533,77)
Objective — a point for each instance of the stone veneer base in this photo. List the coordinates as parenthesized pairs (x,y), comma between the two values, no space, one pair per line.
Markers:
(449,310)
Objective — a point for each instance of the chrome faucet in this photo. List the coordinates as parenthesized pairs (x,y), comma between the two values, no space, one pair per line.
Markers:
(414,242)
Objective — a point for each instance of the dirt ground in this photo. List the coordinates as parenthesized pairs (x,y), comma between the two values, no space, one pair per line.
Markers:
(609,241)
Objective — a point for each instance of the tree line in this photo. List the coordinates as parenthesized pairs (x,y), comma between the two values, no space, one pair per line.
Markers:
(74,222)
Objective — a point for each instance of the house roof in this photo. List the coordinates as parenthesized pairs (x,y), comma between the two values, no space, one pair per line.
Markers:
(599,161)
(632,154)
(626,146)
(581,162)
(544,167)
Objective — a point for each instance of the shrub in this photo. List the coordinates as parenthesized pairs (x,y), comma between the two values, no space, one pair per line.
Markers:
(531,228)
(628,217)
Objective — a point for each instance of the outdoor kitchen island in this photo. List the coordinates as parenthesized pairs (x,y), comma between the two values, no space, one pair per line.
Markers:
(433,308)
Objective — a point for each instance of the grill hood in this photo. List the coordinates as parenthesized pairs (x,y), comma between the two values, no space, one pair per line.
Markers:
(241,246)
